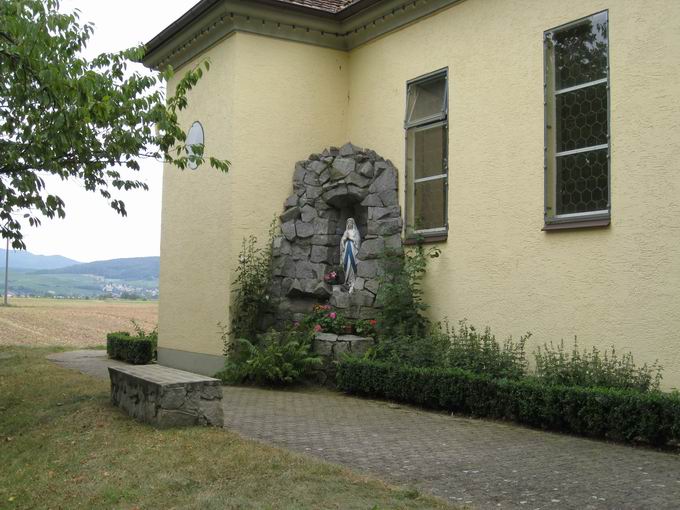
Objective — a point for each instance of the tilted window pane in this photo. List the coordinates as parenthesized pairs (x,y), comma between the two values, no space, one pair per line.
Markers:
(429,209)
(582,118)
(426,99)
(429,146)
(581,52)
(582,182)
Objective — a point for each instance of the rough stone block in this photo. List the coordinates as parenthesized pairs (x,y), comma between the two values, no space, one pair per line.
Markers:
(348,150)
(311,178)
(324,176)
(389,197)
(300,251)
(372,286)
(366,169)
(371,249)
(369,269)
(289,214)
(340,348)
(308,213)
(322,254)
(299,174)
(313,192)
(317,166)
(303,229)
(291,287)
(339,299)
(324,226)
(357,180)
(341,168)
(305,269)
(291,201)
(378,213)
(389,226)
(335,195)
(372,200)
(289,268)
(288,229)
(323,347)
(393,242)
(361,298)
(356,193)
(173,398)
(326,240)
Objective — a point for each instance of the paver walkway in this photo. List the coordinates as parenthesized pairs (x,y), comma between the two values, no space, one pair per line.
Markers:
(482,463)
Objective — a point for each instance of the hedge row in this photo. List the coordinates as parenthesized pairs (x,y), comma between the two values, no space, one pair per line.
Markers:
(621,415)
(133,349)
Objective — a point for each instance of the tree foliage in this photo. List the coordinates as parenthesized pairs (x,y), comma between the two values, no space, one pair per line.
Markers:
(78,119)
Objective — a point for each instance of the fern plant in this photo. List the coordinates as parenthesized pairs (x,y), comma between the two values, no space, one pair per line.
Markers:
(278,358)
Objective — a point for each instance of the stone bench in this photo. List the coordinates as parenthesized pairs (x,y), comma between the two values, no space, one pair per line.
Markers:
(166,397)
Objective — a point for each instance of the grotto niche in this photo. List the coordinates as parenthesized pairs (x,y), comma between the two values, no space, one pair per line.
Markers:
(329,188)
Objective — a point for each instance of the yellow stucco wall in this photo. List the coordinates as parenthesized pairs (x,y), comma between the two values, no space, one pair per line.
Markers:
(267,103)
(264,105)
(619,285)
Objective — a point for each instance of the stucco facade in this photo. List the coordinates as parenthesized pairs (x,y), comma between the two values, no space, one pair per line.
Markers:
(269,102)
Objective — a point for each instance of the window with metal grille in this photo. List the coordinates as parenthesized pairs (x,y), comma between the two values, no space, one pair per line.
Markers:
(577,168)
(426,155)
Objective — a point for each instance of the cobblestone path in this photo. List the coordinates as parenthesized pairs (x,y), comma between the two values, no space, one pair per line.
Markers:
(484,464)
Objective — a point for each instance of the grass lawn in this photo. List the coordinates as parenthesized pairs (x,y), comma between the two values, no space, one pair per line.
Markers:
(62,445)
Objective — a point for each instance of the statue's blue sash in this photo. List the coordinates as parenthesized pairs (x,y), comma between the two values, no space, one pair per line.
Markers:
(349,256)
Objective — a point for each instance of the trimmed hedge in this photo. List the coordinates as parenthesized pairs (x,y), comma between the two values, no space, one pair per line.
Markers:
(621,415)
(133,349)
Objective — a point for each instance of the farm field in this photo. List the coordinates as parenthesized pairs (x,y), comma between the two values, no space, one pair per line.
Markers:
(70,322)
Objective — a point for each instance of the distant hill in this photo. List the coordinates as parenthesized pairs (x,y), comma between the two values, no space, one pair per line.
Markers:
(137,268)
(28,260)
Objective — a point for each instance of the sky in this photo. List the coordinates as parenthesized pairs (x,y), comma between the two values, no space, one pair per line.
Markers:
(91,229)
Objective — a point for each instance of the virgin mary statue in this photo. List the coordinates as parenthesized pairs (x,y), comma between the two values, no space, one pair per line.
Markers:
(349,248)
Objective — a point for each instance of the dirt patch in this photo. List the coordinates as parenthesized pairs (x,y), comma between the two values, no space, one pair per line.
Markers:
(73,323)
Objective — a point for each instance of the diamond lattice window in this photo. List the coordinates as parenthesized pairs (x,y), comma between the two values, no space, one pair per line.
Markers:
(577,121)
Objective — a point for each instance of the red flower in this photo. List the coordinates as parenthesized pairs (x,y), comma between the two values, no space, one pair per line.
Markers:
(318,328)
(373,322)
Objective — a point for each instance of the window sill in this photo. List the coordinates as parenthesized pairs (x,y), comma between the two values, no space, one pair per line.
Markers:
(426,239)
(571,225)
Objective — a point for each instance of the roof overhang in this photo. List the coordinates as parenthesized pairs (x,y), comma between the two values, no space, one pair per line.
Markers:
(209,21)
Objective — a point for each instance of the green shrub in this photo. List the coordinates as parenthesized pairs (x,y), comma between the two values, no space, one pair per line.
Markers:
(279,358)
(617,414)
(555,365)
(481,353)
(250,294)
(400,294)
(428,349)
(122,346)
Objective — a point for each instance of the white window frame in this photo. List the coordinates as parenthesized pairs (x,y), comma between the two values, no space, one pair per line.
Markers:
(550,131)
(432,121)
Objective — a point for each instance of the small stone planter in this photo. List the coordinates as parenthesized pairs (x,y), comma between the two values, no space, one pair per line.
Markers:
(332,347)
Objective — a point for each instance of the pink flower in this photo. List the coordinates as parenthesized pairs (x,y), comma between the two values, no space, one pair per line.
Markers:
(332,315)
(318,328)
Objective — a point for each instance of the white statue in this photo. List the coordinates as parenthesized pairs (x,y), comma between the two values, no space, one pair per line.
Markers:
(349,248)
